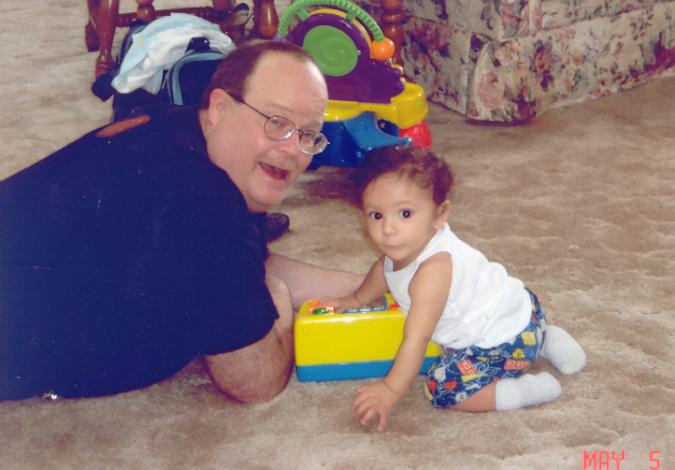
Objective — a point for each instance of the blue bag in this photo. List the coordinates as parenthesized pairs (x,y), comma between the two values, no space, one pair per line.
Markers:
(177,82)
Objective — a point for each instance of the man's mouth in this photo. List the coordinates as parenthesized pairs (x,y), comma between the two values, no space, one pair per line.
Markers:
(274,172)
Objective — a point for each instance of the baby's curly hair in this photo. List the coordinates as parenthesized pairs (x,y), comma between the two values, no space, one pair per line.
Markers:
(421,166)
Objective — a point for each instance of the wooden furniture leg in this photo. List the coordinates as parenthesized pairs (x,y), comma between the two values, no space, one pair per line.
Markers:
(100,31)
(266,18)
(392,24)
(91,37)
(145,11)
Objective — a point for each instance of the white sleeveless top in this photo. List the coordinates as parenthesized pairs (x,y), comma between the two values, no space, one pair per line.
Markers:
(486,307)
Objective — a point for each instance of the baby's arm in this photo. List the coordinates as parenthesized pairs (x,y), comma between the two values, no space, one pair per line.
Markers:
(372,287)
(429,292)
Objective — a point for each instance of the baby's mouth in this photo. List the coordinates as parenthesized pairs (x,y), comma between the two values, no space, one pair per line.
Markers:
(274,172)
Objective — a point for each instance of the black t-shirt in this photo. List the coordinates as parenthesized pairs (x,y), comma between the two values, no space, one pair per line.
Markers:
(123,258)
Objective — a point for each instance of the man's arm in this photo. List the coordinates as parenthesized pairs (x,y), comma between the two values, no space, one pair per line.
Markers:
(305,281)
(260,371)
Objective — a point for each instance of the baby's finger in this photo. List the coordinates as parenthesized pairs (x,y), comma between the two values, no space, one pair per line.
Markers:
(361,397)
(362,406)
(356,402)
(367,417)
(382,424)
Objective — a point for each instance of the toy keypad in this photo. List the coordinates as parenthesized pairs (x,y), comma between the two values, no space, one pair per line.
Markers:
(380,305)
(322,310)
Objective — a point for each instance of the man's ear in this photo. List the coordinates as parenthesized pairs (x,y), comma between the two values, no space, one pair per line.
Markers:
(218,100)
(443,211)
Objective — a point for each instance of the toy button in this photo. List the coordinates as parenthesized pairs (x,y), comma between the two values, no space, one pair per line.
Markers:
(323,311)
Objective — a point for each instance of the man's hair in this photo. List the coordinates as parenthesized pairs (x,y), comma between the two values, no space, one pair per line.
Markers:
(421,166)
(233,72)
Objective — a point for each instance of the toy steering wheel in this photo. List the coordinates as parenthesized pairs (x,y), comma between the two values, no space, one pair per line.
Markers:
(333,49)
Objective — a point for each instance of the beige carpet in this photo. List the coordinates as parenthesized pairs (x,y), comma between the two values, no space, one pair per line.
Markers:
(580,204)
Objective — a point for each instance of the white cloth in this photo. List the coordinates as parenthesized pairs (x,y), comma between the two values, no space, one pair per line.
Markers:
(486,307)
(159,45)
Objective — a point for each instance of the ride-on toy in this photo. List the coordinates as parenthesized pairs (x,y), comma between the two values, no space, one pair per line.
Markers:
(371,105)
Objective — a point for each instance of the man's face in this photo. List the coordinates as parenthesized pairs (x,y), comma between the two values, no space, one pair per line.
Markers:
(263,168)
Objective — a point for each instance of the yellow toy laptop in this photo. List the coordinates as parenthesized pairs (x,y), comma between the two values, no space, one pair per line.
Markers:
(353,344)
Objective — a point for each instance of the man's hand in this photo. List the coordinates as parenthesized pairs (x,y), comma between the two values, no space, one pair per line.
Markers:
(374,400)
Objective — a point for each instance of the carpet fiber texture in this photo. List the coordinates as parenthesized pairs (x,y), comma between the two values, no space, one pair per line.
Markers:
(580,204)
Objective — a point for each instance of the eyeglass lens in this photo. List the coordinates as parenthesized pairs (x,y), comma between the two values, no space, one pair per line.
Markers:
(281,128)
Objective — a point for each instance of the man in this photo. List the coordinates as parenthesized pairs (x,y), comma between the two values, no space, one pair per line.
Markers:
(141,245)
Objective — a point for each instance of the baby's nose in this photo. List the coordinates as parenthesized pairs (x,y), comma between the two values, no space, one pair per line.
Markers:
(389,227)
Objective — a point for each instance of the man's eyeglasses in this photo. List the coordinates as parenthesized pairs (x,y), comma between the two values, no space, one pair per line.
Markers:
(281,128)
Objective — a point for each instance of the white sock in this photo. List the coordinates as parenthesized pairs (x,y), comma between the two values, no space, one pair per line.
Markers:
(526,390)
(563,351)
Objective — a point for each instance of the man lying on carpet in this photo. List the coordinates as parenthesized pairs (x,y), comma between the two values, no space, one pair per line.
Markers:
(491,327)
(141,245)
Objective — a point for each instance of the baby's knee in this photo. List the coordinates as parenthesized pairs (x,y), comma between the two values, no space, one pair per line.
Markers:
(443,394)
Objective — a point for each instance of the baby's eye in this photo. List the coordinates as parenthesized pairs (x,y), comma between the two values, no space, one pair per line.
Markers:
(374,215)
(405,213)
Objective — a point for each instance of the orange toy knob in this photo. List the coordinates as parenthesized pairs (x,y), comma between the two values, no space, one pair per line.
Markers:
(383,49)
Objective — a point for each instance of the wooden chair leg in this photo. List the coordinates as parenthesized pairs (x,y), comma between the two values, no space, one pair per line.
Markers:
(145,11)
(392,21)
(103,19)
(266,18)
(91,37)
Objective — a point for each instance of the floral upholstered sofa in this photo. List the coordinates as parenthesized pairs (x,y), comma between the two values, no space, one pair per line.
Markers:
(509,60)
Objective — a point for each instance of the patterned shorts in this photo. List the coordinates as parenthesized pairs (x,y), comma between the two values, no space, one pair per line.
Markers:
(458,374)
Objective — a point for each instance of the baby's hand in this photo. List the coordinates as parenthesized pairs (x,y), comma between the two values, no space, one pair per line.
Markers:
(341,303)
(374,400)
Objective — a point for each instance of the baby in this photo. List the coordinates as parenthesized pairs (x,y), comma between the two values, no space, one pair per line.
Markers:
(490,326)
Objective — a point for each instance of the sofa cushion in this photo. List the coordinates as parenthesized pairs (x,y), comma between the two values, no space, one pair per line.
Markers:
(516,79)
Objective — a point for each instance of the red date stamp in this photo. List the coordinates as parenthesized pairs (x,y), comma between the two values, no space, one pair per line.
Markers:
(610,460)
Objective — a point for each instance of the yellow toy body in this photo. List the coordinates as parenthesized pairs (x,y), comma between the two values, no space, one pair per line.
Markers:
(405,110)
(350,345)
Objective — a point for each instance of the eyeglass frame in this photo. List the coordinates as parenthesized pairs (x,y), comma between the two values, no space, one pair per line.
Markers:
(294,129)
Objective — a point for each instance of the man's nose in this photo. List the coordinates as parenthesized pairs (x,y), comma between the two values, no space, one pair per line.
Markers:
(291,146)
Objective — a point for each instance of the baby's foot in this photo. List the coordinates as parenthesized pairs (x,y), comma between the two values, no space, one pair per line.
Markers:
(563,351)
(526,390)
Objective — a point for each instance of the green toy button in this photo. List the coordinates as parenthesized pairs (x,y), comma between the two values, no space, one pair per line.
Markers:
(332,49)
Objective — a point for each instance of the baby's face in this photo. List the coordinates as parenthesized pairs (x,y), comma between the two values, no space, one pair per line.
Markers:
(401,217)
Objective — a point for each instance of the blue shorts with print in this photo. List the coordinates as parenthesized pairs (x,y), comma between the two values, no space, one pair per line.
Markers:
(458,374)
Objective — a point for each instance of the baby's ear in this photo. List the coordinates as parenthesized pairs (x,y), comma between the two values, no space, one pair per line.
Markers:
(443,210)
